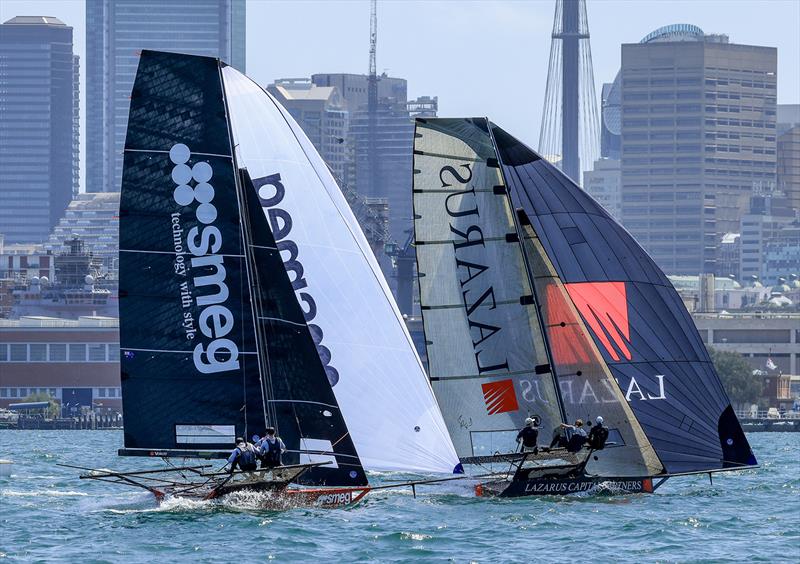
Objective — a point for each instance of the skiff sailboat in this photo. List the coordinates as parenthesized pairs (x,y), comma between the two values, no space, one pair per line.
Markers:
(249,297)
(535,302)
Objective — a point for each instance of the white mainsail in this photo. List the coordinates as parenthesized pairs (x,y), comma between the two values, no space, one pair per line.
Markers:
(369,357)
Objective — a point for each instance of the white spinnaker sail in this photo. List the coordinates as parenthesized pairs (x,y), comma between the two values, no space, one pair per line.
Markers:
(378,378)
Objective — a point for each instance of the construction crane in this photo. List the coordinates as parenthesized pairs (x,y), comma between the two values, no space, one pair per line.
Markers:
(372,103)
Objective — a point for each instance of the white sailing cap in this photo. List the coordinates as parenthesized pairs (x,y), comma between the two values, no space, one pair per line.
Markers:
(599,420)
(529,421)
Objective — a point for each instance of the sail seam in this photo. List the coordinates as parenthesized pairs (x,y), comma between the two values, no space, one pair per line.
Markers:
(172,253)
(443,156)
(303,401)
(496,374)
(172,351)
(281,320)
(167,152)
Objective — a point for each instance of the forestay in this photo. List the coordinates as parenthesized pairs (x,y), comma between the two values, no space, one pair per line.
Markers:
(360,336)
(486,356)
(635,316)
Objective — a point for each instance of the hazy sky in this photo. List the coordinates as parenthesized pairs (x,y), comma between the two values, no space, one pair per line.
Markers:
(480,57)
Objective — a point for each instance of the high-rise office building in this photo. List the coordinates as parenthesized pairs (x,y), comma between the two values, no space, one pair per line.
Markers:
(38,126)
(789,153)
(766,231)
(353,87)
(698,138)
(116,31)
(394,130)
(610,119)
(322,113)
(603,183)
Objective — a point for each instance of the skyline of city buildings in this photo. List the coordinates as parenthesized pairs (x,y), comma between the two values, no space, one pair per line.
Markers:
(39,129)
(681,158)
(697,137)
(117,31)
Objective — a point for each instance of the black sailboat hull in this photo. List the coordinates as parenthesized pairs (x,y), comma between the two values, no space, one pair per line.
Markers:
(564,486)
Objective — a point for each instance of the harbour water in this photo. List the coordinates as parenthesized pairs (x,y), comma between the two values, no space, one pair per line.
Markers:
(47,514)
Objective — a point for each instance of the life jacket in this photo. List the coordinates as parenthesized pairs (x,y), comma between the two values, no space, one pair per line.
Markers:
(598,437)
(247,458)
(271,452)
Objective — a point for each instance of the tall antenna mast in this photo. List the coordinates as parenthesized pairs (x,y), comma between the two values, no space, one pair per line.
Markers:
(570,122)
(372,102)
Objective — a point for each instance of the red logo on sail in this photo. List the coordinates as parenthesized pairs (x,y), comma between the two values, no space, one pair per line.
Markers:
(500,396)
(604,307)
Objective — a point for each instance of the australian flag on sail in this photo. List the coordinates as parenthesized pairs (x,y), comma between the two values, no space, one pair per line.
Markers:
(637,320)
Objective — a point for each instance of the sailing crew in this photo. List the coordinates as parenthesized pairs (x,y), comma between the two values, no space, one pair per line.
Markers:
(577,435)
(270,448)
(598,435)
(529,435)
(243,456)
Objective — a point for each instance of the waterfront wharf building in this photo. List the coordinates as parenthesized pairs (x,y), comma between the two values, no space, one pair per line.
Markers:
(76,362)
(116,32)
(38,126)
(756,336)
(698,134)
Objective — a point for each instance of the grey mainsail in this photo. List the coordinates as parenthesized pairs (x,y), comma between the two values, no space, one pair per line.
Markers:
(487,361)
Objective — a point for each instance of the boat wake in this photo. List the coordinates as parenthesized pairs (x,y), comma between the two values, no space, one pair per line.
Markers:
(42,493)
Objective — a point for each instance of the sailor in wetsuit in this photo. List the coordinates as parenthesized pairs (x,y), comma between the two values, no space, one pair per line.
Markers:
(243,456)
(529,436)
(598,435)
(270,448)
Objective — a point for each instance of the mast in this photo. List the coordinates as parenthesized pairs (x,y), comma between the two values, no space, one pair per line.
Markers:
(531,281)
(262,360)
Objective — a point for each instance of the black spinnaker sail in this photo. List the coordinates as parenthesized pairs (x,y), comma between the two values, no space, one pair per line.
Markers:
(636,318)
(212,338)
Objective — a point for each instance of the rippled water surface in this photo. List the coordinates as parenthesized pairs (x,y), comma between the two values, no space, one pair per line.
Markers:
(46,513)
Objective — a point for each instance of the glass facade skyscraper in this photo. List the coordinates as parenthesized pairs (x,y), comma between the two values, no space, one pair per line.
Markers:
(116,31)
(38,126)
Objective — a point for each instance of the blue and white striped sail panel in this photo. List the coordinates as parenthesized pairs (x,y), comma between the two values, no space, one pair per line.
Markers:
(635,316)
(213,341)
